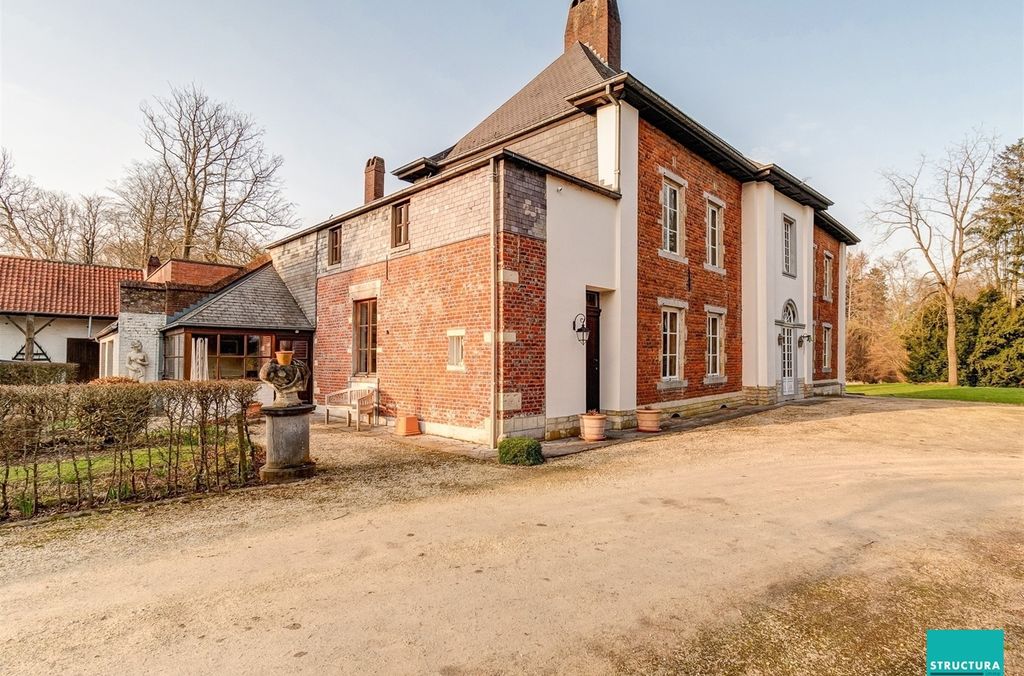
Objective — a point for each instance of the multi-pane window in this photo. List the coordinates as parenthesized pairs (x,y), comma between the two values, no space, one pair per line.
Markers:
(827,274)
(174,357)
(366,337)
(714,238)
(826,354)
(716,327)
(671,209)
(334,246)
(456,350)
(400,224)
(672,329)
(788,247)
(235,356)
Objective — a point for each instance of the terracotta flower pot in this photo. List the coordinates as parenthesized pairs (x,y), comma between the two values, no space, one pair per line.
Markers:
(407,426)
(648,420)
(284,358)
(592,427)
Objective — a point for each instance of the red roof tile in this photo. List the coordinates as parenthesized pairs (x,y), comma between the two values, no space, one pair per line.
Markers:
(50,288)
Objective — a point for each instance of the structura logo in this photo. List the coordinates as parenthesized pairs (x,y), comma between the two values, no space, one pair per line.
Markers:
(965,653)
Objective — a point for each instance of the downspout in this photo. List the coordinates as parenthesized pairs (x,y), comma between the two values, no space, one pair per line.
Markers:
(495,315)
(618,136)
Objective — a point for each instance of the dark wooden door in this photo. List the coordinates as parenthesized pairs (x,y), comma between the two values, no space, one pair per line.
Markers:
(594,352)
(86,353)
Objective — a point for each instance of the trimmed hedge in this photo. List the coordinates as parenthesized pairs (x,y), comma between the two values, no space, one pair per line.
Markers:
(65,447)
(36,373)
(523,452)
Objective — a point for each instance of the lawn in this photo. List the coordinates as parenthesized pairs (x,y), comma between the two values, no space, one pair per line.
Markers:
(990,395)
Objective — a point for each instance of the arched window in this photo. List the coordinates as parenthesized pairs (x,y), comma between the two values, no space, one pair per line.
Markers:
(789,314)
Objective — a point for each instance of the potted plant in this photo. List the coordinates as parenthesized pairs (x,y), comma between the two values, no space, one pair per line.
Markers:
(284,357)
(648,420)
(592,424)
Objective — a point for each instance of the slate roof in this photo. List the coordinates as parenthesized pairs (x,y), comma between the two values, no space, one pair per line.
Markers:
(260,300)
(31,286)
(542,99)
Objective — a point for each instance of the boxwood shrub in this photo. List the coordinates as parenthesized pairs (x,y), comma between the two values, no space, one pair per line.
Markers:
(36,373)
(524,452)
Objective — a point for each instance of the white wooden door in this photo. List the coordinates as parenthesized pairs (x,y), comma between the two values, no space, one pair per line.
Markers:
(788,362)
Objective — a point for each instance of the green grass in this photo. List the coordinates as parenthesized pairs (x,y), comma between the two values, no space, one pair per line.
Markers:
(989,395)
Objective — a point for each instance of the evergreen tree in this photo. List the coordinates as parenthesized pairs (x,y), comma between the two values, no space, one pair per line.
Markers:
(1002,252)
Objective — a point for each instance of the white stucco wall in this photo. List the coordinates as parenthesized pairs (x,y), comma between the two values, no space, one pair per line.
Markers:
(592,246)
(766,289)
(581,256)
(53,339)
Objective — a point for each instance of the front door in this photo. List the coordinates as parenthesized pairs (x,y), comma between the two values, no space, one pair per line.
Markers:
(594,351)
(788,361)
(86,353)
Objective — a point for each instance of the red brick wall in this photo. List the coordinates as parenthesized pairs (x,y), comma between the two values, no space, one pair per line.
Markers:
(422,296)
(660,277)
(524,309)
(195,273)
(825,312)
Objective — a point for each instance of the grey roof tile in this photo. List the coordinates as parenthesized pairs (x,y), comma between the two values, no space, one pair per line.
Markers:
(260,300)
(541,99)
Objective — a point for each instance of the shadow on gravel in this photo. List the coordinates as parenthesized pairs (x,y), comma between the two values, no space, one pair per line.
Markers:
(859,622)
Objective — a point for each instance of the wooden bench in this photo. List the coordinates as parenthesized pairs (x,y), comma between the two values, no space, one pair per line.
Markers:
(357,401)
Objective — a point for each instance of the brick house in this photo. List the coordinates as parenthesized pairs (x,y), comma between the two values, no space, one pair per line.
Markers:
(587,246)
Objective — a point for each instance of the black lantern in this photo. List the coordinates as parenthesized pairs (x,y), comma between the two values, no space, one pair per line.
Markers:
(580,328)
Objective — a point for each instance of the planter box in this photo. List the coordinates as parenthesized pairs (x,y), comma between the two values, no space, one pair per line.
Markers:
(407,426)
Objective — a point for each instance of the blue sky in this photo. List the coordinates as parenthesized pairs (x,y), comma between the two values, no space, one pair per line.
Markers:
(832,91)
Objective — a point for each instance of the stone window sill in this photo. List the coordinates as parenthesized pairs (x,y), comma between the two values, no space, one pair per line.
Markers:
(716,380)
(456,369)
(668,255)
(674,384)
(715,269)
(395,250)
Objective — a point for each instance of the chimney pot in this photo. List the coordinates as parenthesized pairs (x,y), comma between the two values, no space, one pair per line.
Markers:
(597,25)
(374,186)
(152,265)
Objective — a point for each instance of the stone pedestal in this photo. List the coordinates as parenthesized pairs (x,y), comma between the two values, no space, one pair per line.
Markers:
(287,444)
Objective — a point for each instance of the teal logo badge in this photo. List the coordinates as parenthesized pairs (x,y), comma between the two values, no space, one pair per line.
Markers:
(965,653)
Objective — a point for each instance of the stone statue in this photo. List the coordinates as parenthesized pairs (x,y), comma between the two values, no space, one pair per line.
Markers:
(136,362)
(287,382)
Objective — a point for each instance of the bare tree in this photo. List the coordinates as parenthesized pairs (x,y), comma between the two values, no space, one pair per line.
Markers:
(221,177)
(145,215)
(92,228)
(943,220)
(18,199)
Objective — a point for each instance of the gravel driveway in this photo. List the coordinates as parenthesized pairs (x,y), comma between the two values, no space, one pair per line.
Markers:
(819,539)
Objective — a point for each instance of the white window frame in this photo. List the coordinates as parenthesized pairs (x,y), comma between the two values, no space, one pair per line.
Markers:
(827,276)
(788,246)
(715,345)
(670,184)
(457,350)
(679,340)
(826,353)
(715,255)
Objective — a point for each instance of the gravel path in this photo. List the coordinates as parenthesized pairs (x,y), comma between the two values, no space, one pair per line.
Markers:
(399,561)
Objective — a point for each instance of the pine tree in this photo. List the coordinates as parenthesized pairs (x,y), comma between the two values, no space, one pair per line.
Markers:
(1003,233)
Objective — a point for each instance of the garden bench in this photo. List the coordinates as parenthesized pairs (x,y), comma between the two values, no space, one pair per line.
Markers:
(357,401)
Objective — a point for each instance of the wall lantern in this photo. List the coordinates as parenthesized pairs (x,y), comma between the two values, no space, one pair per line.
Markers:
(806,339)
(781,339)
(580,328)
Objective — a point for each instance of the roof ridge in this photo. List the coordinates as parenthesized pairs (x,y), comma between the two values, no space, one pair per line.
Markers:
(52,261)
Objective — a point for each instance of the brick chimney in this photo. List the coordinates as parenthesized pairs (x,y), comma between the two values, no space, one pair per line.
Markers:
(374,179)
(152,265)
(596,24)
